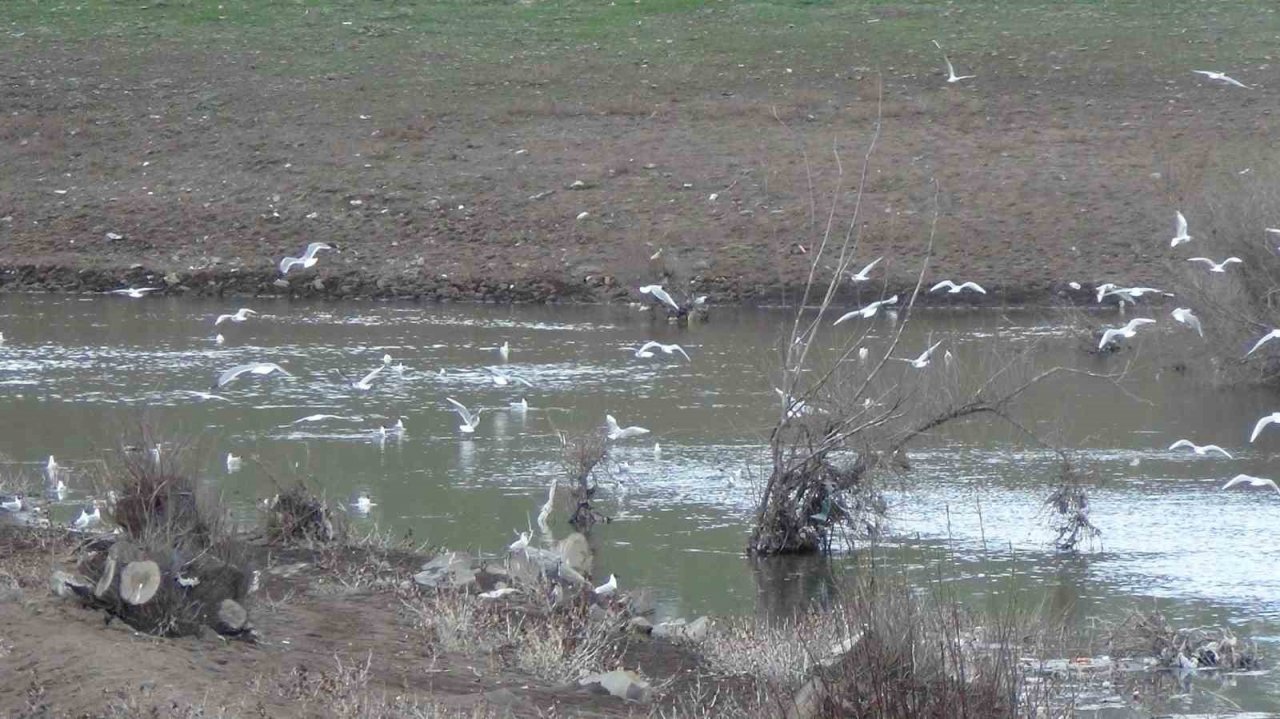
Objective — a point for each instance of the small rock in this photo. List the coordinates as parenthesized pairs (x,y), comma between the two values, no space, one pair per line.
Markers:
(577,185)
(697,630)
(282,283)
(640,625)
(621,683)
(114,236)
(669,630)
(231,618)
(597,613)
(451,570)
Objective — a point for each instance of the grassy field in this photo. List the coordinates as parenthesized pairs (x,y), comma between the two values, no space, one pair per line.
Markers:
(1082,131)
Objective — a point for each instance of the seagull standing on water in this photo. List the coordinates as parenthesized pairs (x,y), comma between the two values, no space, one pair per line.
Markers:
(1184,315)
(1221,77)
(258,368)
(923,360)
(136,293)
(469,421)
(239,315)
(1216,266)
(307,260)
(1250,481)
(233,463)
(1200,449)
(616,432)
(1128,331)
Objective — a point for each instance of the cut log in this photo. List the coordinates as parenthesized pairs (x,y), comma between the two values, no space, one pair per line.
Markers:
(103,587)
(139,581)
(231,618)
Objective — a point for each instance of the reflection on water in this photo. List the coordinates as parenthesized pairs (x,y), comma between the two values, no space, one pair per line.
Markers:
(75,371)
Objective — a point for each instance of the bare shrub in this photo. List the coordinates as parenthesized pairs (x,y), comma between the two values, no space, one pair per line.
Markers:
(581,458)
(299,516)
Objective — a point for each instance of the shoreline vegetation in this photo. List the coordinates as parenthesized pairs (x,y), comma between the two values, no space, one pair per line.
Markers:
(166,609)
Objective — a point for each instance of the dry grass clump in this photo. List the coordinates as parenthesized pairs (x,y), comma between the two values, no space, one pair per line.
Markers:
(559,641)
(347,691)
(299,516)
(1149,635)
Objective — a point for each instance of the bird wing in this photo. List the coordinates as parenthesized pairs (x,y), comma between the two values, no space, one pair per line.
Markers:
(891,301)
(924,357)
(1182,443)
(680,349)
(1207,73)
(612,424)
(940,285)
(1238,479)
(1230,260)
(1107,336)
(646,347)
(1202,259)
(1216,448)
(1195,323)
(461,409)
(1182,225)
(1137,322)
(313,248)
(662,295)
(269,367)
(231,374)
(288,263)
(951,71)
(865,270)
(522,380)
(847,316)
(369,377)
(974,286)
(1263,340)
(1234,81)
(221,319)
(1262,424)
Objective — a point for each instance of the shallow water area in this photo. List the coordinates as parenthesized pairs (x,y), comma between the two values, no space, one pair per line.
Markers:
(80,374)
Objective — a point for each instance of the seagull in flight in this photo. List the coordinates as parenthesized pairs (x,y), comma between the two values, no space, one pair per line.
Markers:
(646,349)
(502,379)
(1216,266)
(660,295)
(258,368)
(204,395)
(365,383)
(136,293)
(1132,293)
(1127,331)
(1200,449)
(869,311)
(1262,424)
(1184,315)
(240,315)
(307,260)
(863,274)
(1250,481)
(323,417)
(1263,340)
(1181,235)
(1221,77)
(616,432)
(953,288)
(951,72)
(469,421)
(923,360)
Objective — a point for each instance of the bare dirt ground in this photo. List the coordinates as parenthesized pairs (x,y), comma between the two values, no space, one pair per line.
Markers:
(439,146)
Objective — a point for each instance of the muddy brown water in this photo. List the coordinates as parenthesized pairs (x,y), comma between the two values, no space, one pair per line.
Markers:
(77,373)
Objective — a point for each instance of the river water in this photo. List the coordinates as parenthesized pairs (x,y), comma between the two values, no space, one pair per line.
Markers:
(80,374)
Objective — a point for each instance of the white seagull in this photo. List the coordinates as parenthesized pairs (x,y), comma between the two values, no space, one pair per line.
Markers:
(323,417)
(12,503)
(233,463)
(863,274)
(502,379)
(504,351)
(498,593)
(608,588)
(218,339)
(307,260)
(867,312)
(544,512)
(661,295)
(951,72)
(923,360)
(1216,266)
(953,288)
(1221,77)
(1182,235)
(616,432)
(258,368)
(365,383)
(136,293)
(646,349)
(1263,340)
(1184,315)
(1262,424)
(1128,331)
(86,517)
(522,542)
(1244,479)
(240,315)
(469,421)
(1200,449)
(1132,293)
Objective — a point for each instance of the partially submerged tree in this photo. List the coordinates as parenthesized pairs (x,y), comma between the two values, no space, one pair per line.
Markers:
(848,416)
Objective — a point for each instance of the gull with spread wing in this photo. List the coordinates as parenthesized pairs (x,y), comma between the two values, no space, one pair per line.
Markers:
(953,288)
(869,311)
(1216,266)
(469,420)
(1200,449)
(1127,331)
(257,368)
(646,349)
(307,260)
(923,360)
